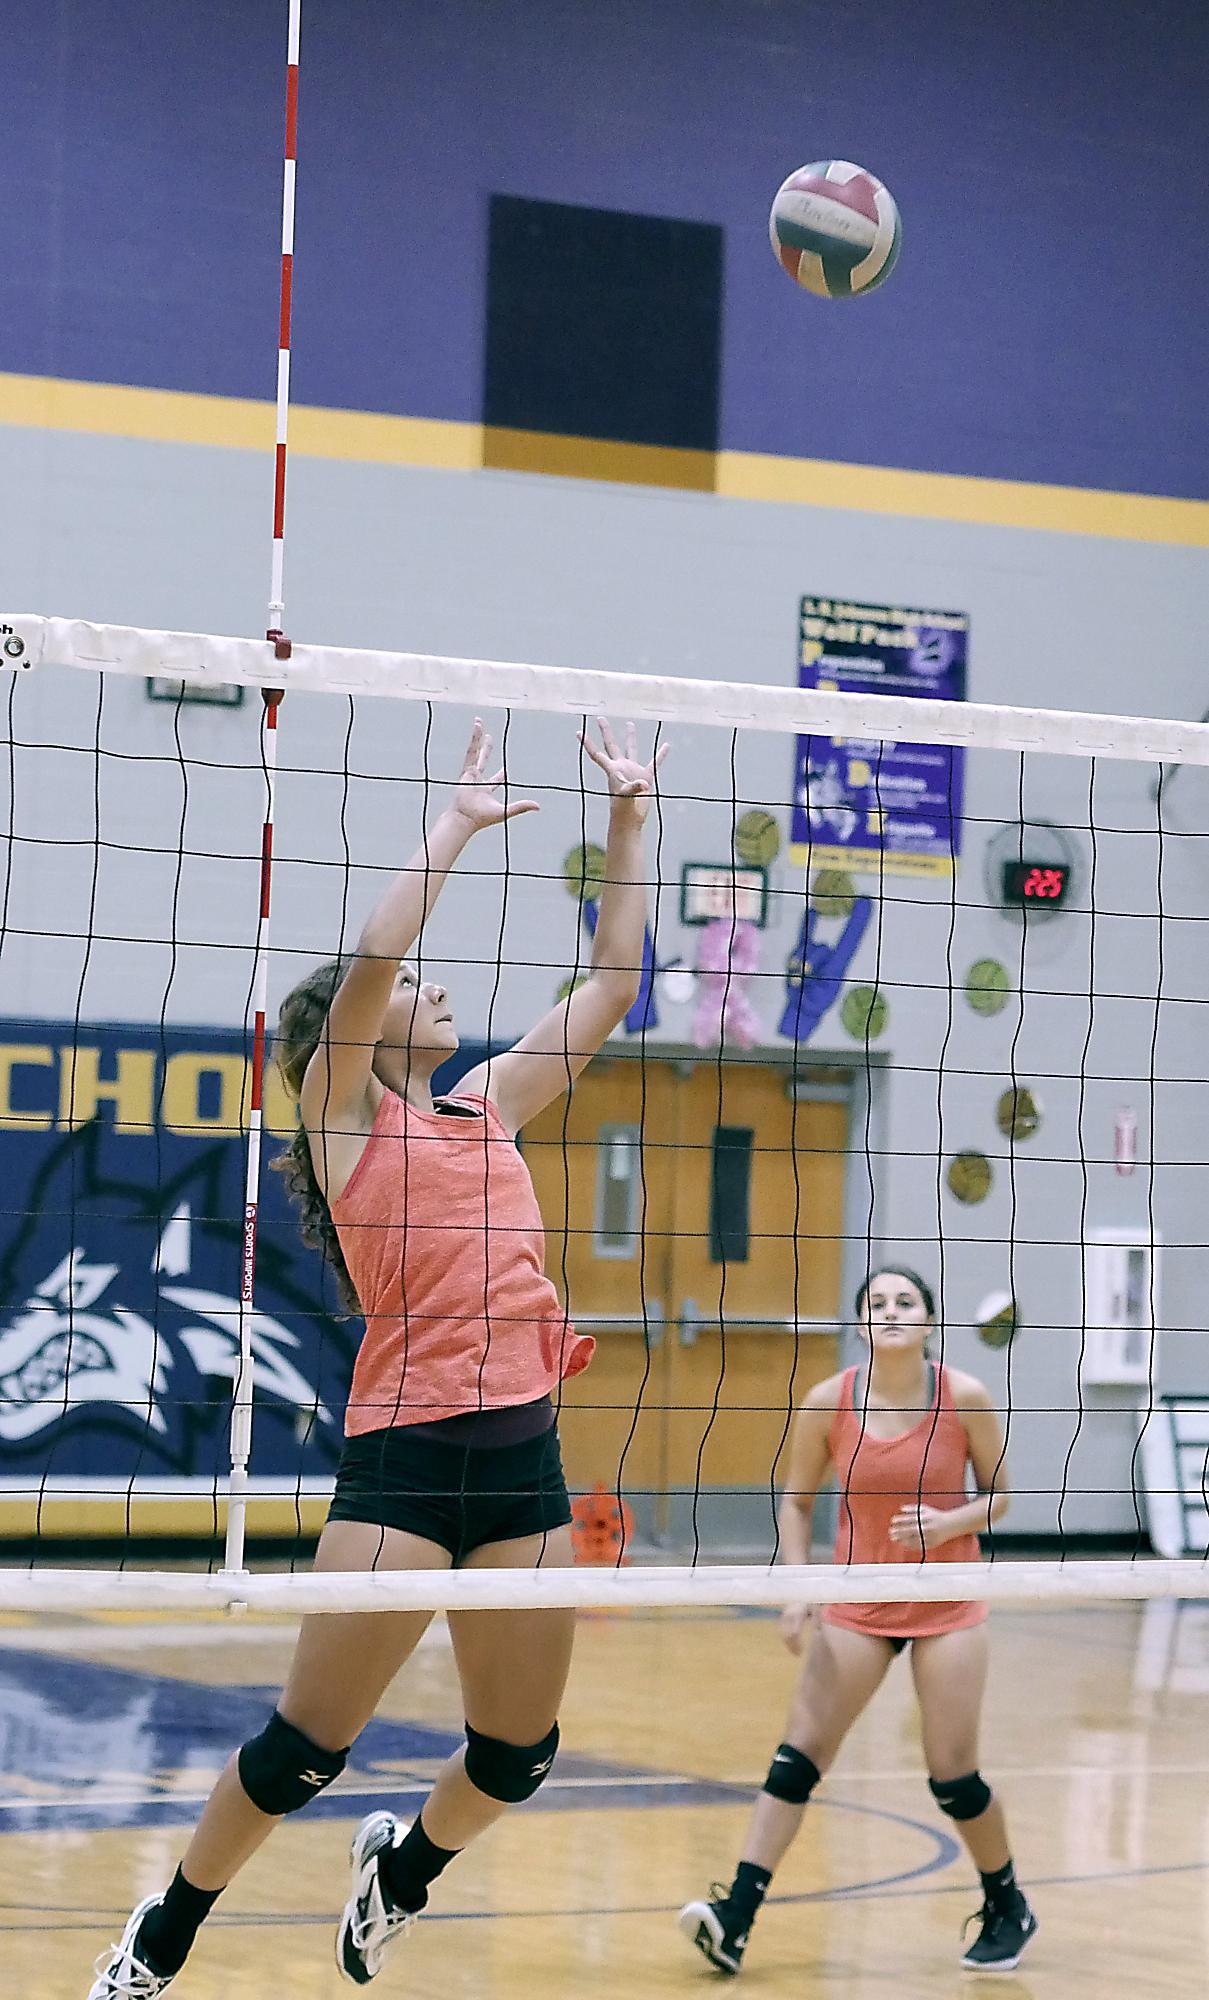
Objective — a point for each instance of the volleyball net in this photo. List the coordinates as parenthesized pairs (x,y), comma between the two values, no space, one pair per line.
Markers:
(921,985)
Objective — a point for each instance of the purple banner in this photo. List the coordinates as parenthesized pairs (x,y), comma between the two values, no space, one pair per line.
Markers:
(865,805)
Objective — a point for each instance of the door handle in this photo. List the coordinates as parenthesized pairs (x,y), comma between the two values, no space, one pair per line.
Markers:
(690,1323)
(652,1322)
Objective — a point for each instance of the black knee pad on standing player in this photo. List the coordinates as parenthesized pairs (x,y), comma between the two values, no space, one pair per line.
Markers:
(508,1772)
(791,1776)
(281,1770)
(961,1798)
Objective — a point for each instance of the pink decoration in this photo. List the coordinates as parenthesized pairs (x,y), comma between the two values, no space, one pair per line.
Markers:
(1125,1141)
(728,950)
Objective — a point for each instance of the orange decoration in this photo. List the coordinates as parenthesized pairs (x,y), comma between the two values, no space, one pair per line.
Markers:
(601,1527)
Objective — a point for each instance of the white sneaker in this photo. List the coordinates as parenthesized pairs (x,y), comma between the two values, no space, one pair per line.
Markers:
(123,1976)
(369,1923)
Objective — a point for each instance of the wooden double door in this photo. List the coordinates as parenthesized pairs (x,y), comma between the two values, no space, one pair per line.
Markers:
(694,1223)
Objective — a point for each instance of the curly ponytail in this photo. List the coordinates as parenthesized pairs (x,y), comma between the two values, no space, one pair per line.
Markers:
(300,1026)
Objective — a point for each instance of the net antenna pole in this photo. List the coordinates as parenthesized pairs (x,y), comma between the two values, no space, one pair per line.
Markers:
(241,1410)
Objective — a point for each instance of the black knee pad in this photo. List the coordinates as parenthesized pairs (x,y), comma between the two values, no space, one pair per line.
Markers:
(507,1771)
(281,1769)
(791,1776)
(962,1798)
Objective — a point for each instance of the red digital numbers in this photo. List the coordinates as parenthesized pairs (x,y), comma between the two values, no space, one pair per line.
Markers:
(1042,885)
(1035,882)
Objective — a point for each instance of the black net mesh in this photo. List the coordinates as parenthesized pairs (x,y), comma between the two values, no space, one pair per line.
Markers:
(988,1071)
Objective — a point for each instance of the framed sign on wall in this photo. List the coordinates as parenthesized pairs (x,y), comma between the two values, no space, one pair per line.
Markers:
(713,889)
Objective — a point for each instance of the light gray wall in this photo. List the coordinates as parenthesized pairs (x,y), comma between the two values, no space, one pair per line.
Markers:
(523,568)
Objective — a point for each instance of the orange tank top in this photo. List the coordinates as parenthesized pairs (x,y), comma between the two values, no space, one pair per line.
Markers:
(877,1476)
(443,1238)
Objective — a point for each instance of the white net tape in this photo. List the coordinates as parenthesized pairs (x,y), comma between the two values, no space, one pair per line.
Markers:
(1051,1584)
(203,660)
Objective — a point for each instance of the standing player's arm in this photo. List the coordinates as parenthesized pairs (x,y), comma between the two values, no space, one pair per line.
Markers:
(809,1470)
(919,1526)
(546,1061)
(988,1455)
(339,1081)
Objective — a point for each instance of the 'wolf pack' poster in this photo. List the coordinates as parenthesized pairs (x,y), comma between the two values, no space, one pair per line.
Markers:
(879,808)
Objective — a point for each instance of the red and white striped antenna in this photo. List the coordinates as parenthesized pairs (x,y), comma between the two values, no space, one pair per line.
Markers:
(277,586)
(241,1413)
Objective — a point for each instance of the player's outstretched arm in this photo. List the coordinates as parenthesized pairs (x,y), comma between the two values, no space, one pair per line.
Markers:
(546,1061)
(339,1075)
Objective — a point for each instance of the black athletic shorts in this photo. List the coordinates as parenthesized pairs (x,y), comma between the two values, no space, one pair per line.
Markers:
(458,1496)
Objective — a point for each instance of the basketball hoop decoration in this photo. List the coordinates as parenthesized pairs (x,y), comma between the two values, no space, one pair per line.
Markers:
(727,952)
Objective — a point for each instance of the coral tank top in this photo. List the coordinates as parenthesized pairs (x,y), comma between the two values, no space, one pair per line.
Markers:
(443,1237)
(876,1477)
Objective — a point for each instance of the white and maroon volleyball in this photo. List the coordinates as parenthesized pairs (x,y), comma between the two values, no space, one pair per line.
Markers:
(835,228)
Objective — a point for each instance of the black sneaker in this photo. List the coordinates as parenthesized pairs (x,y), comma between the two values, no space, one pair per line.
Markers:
(715,1930)
(1002,1938)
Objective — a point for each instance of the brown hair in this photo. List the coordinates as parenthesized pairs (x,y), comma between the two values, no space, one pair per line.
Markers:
(897,1271)
(300,1026)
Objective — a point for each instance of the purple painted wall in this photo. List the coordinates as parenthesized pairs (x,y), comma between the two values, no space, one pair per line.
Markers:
(1049,318)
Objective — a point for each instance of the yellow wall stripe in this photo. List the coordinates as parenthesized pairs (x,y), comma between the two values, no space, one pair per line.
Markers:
(111,410)
(167,416)
(945,496)
(63,1516)
(599,458)
(374,440)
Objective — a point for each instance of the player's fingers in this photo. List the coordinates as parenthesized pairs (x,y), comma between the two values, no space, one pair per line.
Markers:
(607,737)
(470,760)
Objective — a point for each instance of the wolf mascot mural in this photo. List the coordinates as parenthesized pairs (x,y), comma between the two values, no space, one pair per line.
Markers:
(119,1312)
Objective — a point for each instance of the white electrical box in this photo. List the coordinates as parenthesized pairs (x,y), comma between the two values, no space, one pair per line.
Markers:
(1121,1278)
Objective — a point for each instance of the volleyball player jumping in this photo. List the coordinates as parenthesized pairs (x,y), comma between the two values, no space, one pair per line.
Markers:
(903,1497)
(426,1211)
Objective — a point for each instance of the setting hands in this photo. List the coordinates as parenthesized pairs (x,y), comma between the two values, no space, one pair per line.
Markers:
(474,799)
(632,783)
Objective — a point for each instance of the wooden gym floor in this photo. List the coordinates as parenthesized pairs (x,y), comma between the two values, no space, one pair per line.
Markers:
(111,1731)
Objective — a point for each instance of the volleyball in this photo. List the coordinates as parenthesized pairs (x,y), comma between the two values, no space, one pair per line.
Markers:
(835,229)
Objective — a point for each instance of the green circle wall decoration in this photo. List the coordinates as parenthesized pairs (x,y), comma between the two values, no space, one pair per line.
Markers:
(988,986)
(864,1013)
(969,1177)
(583,871)
(833,893)
(757,838)
(998,1321)
(1018,1113)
